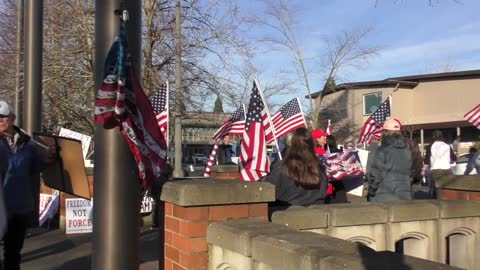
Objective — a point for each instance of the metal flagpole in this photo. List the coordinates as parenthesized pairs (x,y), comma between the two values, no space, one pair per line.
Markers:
(269,118)
(116,211)
(167,104)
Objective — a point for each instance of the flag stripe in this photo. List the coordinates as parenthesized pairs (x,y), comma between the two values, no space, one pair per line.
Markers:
(473,116)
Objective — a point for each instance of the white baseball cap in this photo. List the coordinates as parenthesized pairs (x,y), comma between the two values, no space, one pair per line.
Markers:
(5,108)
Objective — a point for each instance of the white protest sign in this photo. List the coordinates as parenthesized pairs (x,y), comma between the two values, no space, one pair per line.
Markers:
(79,216)
(147,205)
(48,207)
(85,139)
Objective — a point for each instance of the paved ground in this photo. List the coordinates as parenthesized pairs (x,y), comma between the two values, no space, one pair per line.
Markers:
(47,250)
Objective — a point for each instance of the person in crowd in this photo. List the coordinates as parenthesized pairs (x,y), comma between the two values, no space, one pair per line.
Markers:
(155,191)
(389,177)
(331,145)
(225,152)
(24,161)
(417,159)
(320,140)
(299,178)
(438,158)
(473,161)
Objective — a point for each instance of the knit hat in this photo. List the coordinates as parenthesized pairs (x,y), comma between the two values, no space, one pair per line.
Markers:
(392,124)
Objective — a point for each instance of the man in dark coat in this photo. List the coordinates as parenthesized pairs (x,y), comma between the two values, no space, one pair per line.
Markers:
(225,152)
(389,178)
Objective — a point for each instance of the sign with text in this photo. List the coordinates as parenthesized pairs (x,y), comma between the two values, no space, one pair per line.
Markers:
(85,139)
(78,216)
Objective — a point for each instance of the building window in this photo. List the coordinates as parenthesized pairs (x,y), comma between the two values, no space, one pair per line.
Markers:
(371,102)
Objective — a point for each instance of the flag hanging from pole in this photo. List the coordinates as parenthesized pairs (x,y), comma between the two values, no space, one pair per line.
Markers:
(254,162)
(121,103)
(329,129)
(234,126)
(160,106)
(374,124)
(211,160)
(473,116)
(288,118)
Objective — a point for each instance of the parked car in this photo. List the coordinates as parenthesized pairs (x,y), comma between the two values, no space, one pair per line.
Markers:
(461,165)
(199,158)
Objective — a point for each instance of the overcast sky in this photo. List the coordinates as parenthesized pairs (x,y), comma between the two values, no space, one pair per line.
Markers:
(415,37)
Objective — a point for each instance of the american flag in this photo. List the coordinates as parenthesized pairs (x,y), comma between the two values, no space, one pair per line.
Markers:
(329,129)
(160,106)
(254,162)
(234,126)
(121,103)
(473,116)
(288,118)
(343,164)
(374,123)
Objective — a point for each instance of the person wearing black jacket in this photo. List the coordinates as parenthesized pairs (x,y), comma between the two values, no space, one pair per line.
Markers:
(225,152)
(299,179)
(389,178)
(155,191)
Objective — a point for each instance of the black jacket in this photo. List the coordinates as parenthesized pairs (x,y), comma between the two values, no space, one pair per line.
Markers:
(287,192)
(222,154)
(389,178)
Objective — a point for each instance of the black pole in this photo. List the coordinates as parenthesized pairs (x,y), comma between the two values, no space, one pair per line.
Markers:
(117,187)
(32,111)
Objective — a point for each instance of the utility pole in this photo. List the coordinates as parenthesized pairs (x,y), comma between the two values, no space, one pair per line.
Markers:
(116,200)
(178,172)
(19,63)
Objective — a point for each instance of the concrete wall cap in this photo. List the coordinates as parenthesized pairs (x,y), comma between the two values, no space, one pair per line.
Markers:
(457,208)
(459,182)
(354,214)
(237,235)
(216,192)
(301,218)
(225,168)
(411,210)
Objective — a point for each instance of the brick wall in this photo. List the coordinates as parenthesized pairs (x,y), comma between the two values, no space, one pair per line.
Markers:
(453,194)
(186,230)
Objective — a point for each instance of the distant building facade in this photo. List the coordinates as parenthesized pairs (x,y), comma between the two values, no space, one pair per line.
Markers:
(422,102)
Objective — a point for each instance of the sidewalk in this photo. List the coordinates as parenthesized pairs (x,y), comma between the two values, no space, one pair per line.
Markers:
(48,250)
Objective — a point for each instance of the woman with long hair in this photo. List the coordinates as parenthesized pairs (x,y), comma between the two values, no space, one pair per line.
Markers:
(300,178)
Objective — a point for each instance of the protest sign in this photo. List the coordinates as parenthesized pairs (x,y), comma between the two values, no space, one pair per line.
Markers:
(85,139)
(147,205)
(79,216)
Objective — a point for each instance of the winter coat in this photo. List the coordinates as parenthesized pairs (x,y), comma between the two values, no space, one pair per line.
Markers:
(222,151)
(20,186)
(389,178)
(288,192)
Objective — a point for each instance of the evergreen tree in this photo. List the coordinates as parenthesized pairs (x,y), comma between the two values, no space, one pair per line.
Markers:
(218,105)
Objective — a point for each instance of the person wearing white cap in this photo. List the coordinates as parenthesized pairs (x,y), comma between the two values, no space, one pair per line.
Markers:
(23,160)
(389,178)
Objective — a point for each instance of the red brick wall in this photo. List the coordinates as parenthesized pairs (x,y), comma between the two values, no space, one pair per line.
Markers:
(186,230)
(453,194)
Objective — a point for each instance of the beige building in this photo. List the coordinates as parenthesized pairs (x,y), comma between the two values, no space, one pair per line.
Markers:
(423,103)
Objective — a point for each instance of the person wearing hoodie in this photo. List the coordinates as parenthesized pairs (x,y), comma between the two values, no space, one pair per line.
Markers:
(389,178)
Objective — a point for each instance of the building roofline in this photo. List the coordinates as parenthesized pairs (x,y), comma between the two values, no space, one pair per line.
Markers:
(405,81)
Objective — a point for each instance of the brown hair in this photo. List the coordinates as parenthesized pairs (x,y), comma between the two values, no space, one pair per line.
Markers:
(301,163)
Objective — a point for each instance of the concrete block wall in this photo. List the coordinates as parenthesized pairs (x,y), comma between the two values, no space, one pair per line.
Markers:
(256,245)
(443,231)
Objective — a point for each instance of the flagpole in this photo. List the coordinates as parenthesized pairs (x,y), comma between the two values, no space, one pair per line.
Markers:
(167,104)
(269,118)
(301,110)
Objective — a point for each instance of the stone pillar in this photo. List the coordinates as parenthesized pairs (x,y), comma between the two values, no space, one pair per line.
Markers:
(225,172)
(191,205)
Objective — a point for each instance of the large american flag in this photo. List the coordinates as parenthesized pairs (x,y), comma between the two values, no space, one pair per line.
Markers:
(121,103)
(288,118)
(343,164)
(234,126)
(161,108)
(254,162)
(473,116)
(374,124)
